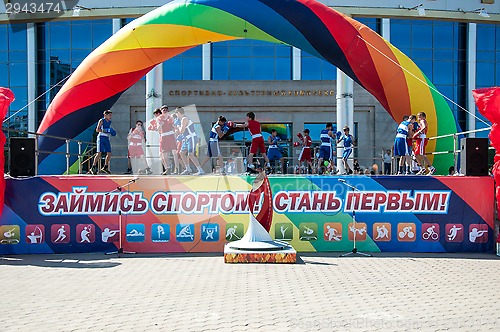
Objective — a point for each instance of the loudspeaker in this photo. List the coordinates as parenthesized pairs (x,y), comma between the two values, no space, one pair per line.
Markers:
(22,161)
(474,156)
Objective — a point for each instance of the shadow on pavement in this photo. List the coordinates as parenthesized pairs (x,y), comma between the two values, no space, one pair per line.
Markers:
(100,260)
(408,255)
(72,261)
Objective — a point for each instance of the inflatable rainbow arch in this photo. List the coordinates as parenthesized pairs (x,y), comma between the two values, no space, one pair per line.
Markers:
(357,50)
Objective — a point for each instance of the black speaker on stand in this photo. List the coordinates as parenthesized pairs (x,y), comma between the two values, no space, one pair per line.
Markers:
(474,156)
(22,159)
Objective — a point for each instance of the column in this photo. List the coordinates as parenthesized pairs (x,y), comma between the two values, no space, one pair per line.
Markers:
(345,111)
(296,64)
(117,24)
(386,29)
(32,84)
(206,62)
(154,90)
(471,76)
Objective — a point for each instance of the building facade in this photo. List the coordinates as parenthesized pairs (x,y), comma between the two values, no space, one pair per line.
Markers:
(456,44)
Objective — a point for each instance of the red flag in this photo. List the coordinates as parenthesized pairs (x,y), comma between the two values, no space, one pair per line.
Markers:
(488,103)
(6,97)
(261,185)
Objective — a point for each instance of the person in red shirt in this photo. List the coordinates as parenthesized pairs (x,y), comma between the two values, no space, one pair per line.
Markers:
(305,154)
(257,140)
(136,141)
(420,137)
(168,146)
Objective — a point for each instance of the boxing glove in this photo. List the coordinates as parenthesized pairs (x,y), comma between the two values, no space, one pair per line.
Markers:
(112,132)
(299,135)
(296,143)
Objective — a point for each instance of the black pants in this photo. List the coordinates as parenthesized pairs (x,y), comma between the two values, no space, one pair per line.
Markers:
(387,168)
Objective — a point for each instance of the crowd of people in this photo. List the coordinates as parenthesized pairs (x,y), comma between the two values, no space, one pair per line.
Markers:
(178,142)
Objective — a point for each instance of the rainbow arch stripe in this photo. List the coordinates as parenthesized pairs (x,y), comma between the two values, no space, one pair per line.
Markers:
(306,24)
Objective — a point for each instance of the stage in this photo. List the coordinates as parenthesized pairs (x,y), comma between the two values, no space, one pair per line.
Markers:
(69,214)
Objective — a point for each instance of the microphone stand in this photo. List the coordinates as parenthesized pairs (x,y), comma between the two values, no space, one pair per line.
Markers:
(120,241)
(354,250)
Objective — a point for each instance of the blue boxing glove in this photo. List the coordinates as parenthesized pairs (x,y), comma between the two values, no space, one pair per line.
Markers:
(225,129)
(112,132)
(177,122)
(180,138)
(339,134)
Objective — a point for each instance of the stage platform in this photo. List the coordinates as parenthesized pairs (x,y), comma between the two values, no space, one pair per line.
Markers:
(66,214)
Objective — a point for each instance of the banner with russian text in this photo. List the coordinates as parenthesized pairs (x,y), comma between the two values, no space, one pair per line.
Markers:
(61,214)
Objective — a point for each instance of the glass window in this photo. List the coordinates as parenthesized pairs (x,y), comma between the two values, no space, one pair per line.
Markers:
(4,77)
(443,70)
(220,50)
(17,37)
(486,37)
(4,57)
(220,69)
(59,35)
(422,54)
(21,100)
(438,49)
(240,68)
(248,59)
(485,74)
(101,32)
(372,23)
(441,35)
(80,36)
(284,131)
(400,34)
(192,68)
(3,36)
(18,74)
(485,56)
(63,45)
(13,72)
(316,128)
(184,66)
(314,68)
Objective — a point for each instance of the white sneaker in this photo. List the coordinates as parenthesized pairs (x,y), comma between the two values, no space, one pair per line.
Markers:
(432,170)
(421,172)
(200,172)
(186,172)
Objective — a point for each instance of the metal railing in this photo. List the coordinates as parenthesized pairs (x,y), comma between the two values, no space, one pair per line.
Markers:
(367,156)
(456,144)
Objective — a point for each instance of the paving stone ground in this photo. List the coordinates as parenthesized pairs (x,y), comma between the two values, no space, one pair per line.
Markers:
(388,292)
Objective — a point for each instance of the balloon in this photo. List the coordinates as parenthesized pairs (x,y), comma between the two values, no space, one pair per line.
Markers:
(128,55)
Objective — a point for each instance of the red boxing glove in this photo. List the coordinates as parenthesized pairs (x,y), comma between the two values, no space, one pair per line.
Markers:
(296,143)
(231,124)
(299,135)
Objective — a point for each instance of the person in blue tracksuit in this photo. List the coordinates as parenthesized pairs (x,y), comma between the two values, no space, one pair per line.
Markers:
(348,140)
(104,131)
